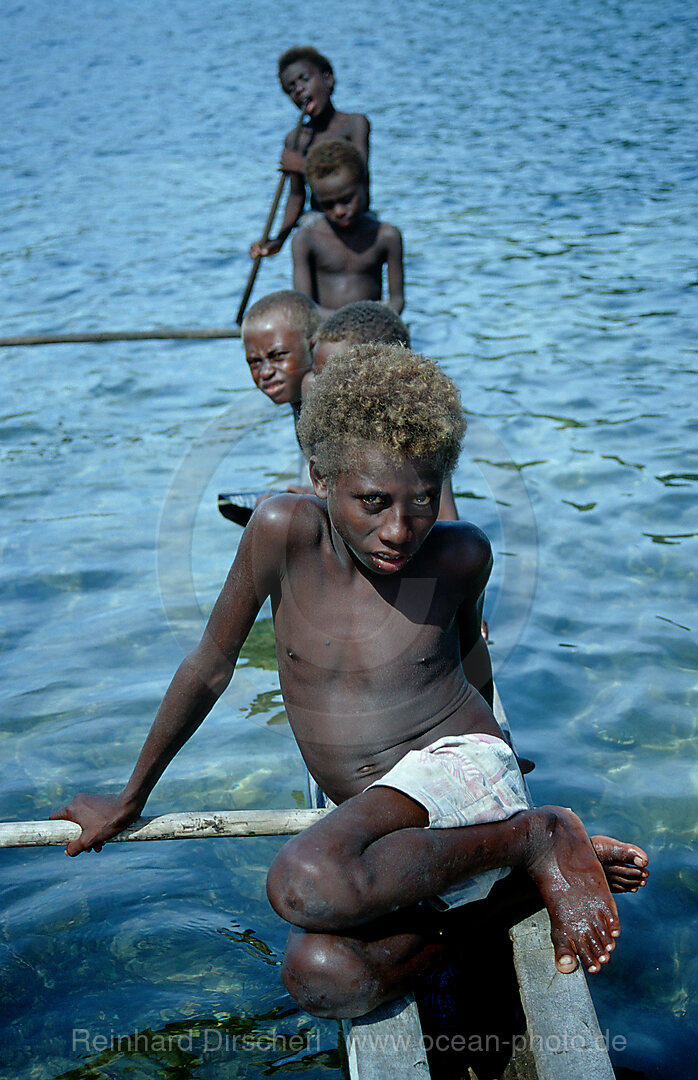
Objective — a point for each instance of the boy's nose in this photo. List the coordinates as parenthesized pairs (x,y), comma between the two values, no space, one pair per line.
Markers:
(267,367)
(395,527)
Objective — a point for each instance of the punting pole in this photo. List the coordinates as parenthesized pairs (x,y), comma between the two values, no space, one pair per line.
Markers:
(164,333)
(267,226)
(185,826)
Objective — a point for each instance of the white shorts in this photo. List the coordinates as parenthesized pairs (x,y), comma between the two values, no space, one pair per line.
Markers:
(462,780)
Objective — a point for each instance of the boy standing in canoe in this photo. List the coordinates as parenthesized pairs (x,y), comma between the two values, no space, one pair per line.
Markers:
(387,682)
(308,79)
(339,258)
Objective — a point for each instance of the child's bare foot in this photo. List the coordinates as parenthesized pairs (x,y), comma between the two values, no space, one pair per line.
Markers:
(625,865)
(570,878)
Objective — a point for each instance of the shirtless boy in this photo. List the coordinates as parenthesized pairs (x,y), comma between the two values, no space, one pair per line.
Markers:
(339,257)
(276,336)
(365,322)
(307,77)
(377,621)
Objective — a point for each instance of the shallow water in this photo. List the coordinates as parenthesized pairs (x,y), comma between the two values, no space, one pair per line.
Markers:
(541,165)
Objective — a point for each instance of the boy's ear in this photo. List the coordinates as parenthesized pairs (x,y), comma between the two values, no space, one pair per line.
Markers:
(328,79)
(319,484)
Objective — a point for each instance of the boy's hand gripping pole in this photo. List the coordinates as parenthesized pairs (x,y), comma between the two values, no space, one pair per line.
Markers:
(267,228)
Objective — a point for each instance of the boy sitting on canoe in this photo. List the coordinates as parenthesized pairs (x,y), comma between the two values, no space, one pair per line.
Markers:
(339,257)
(386,681)
(276,336)
(308,79)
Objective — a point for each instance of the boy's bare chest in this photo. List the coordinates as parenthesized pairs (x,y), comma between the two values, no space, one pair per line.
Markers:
(358,252)
(360,628)
(339,127)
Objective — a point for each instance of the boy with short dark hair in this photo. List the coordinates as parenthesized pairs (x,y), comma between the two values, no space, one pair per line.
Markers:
(308,79)
(276,335)
(365,322)
(339,258)
(377,613)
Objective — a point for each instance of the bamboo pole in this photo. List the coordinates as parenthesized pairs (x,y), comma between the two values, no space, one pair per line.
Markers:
(165,333)
(187,826)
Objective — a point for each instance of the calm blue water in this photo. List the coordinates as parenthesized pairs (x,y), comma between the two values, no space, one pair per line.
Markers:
(540,160)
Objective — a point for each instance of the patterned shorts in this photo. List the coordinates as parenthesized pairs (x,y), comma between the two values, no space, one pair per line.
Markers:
(462,780)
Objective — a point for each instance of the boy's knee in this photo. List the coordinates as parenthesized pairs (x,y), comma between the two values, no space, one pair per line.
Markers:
(326,977)
(309,888)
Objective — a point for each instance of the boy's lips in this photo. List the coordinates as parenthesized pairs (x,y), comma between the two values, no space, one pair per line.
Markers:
(391,562)
(273,388)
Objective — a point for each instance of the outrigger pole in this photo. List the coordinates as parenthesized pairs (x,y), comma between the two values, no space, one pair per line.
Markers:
(186,826)
(165,333)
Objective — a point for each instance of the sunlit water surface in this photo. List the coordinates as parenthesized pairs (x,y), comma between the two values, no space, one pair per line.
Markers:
(540,161)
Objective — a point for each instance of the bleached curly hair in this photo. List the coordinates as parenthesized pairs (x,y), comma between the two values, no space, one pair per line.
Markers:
(384,395)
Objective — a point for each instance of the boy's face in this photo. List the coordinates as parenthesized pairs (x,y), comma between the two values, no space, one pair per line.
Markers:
(382,511)
(278,357)
(341,199)
(307,86)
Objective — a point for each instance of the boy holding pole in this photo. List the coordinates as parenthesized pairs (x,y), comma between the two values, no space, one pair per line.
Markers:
(308,79)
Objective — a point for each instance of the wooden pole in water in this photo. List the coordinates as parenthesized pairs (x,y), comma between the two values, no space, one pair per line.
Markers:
(267,227)
(186,826)
(165,333)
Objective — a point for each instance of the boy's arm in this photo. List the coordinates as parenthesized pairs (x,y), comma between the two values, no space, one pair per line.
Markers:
(290,162)
(294,209)
(198,683)
(474,555)
(393,250)
(360,130)
(302,251)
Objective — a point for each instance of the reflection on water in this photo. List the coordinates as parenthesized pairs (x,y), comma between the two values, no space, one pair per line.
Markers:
(540,161)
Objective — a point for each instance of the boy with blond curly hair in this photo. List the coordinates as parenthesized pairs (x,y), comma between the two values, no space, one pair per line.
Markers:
(387,685)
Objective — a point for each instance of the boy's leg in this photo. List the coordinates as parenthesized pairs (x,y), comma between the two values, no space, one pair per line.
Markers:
(340,975)
(373,855)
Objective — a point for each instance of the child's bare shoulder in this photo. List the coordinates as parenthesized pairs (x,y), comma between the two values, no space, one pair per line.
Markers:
(389,235)
(358,124)
(287,518)
(462,549)
(314,229)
